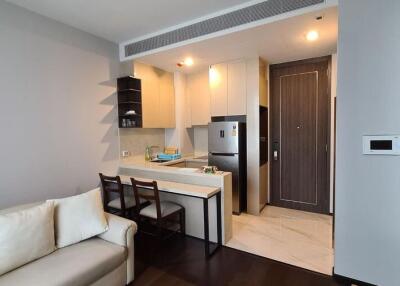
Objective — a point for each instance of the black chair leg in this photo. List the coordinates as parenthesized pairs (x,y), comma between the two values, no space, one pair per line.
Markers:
(159,230)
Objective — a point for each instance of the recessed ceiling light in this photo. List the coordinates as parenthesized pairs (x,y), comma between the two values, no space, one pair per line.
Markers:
(188,62)
(312,36)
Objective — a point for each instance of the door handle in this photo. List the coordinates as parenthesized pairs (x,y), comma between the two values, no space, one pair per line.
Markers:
(275,153)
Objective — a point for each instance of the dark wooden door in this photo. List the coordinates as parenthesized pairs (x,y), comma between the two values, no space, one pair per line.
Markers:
(300,121)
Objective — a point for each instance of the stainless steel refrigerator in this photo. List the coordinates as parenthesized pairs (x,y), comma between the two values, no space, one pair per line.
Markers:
(227,151)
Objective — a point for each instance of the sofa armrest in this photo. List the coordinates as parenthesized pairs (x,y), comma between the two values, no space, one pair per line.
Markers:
(121,231)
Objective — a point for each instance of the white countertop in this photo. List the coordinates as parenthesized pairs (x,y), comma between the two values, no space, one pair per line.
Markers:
(178,188)
(139,163)
(184,159)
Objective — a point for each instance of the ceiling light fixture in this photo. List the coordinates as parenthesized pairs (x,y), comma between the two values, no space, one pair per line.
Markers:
(312,36)
(187,62)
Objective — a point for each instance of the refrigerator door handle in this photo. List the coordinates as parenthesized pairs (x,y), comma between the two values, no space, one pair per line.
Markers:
(224,154)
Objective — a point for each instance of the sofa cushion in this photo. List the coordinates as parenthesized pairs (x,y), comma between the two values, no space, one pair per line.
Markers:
(78,218)
(79,264)
(20,207)
(26,235)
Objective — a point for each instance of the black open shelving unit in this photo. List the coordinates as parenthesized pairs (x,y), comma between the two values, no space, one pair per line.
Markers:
(129,99)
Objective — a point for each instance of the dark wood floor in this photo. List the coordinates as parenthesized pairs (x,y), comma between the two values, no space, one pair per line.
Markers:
(180,261)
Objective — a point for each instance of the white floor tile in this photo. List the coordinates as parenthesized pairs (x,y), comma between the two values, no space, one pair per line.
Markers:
(295,237)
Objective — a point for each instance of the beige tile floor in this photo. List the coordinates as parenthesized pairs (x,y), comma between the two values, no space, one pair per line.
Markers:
(295,237)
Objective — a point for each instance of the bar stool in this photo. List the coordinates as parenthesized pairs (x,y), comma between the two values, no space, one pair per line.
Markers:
(123,205)
(157,211)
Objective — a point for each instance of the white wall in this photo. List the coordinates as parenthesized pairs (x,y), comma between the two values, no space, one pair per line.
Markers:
(135,140)
(332,143)
(180,136)
(367,231)
(200,140)
(57,112)
(263,101)
(253,135)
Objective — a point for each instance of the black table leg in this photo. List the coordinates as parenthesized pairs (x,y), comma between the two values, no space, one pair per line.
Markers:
(219,219)
(207,226)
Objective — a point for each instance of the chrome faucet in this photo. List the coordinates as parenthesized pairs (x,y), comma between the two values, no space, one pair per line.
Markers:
(151,149)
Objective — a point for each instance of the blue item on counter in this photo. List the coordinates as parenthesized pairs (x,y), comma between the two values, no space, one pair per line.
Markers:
(163,156)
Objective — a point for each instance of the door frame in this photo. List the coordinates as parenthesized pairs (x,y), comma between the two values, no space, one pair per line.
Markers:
(327,59)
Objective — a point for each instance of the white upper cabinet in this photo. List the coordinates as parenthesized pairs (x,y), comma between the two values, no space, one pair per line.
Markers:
(228,88)
(198,91)
(218,76)
(237,88)
(218,91)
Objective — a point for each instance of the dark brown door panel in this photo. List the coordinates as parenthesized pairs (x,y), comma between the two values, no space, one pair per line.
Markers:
(300,100)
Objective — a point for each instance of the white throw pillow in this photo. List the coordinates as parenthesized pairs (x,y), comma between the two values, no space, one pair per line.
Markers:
(26,235)
(78,218)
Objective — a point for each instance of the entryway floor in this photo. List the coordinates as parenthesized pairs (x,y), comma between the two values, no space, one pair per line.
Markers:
(295,237)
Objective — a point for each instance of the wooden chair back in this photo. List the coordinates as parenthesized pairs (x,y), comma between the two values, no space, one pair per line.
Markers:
(148,191)
(112,185)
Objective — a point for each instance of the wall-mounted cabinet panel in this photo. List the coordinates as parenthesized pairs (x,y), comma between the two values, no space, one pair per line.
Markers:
(219,89)
(158,97)
(263,85)
(236,97)
(228,88)
(150,94)
(167,100)
(197,88)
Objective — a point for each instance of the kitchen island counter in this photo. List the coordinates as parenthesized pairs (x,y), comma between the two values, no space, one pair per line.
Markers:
(139,162)
(137,167)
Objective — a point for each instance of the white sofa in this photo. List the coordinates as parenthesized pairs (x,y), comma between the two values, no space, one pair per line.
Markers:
(107,259)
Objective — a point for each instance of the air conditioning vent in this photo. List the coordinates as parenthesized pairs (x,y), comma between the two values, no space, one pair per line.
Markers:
(233,19)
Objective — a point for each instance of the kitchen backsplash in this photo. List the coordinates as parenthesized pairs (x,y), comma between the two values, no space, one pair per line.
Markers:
(200,141)
(136,140)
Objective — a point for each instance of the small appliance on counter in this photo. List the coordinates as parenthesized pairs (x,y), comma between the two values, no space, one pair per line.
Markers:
(227,151)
